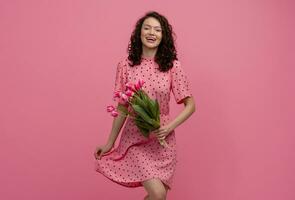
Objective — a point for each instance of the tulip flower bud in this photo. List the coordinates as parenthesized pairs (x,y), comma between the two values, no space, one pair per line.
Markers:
(110,108)
(114,113)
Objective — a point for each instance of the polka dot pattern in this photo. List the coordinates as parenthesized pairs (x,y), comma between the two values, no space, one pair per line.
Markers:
(138,158)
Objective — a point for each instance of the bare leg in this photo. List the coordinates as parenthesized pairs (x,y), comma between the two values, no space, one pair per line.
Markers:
(156,189)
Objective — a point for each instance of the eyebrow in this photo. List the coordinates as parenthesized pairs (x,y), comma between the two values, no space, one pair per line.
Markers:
(151,26)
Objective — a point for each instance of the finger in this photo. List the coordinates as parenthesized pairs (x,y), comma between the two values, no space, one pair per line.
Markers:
(156,131)
(160,136)
(98,153)
(159,129)
(95,153)
(162,132)
(152,133)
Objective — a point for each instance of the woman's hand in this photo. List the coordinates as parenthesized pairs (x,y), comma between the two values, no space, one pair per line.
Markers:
(101,150)
(162,132)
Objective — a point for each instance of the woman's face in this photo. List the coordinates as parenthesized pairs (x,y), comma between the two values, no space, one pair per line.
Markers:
(151,33)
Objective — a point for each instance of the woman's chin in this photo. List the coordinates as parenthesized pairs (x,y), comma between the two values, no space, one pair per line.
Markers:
(150,46)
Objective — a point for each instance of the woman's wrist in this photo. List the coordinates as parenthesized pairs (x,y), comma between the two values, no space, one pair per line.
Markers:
(110,144)
(171,126)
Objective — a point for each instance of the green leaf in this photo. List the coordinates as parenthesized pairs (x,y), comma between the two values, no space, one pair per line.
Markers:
(150,105)
(157,110)
(141,126)
(152,109)
(144,104)
(123,109)
(141,112)
(145,131)
(147,112)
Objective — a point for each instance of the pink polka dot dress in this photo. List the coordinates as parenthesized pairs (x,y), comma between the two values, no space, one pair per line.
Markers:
(137,158)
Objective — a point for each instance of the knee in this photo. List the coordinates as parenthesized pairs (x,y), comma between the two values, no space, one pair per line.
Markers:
(158,195)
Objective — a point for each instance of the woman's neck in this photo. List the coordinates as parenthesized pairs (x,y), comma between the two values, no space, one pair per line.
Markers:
(149,53)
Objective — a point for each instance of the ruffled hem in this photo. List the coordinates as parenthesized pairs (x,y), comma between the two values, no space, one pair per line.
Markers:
(135,183)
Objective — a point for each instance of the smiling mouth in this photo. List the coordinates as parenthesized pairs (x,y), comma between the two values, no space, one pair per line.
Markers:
(150,39)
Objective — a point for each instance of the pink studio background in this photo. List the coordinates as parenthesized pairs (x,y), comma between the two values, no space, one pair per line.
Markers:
(57,67)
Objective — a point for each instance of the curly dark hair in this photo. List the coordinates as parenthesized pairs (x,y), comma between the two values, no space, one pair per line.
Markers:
(166,52)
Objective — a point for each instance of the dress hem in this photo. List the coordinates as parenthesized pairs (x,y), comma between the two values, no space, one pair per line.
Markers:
(136,183)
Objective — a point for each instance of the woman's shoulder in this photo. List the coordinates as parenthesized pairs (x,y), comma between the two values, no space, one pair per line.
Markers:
(176,65)
(123,61)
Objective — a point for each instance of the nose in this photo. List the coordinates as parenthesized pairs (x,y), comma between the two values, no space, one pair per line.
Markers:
(152,31)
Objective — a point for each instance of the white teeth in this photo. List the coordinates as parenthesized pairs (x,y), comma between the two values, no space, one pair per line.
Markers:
(151,39)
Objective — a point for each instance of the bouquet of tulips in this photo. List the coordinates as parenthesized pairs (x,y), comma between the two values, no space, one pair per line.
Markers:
(143,110)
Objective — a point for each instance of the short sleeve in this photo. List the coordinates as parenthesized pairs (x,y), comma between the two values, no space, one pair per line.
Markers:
(120,79)
(179,83)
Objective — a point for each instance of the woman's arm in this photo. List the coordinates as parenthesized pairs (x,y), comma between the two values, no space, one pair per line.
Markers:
(185,114)
(116,127)
(189,109)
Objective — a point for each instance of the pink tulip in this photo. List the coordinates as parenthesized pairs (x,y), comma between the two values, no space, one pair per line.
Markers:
(110,108)
(129,93)
(121,101)
(130,86)
(137,87)
(139,84)
(117,94)
(114,113)
(124,97)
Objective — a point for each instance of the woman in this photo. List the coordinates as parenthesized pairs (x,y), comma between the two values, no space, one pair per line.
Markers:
(140,161)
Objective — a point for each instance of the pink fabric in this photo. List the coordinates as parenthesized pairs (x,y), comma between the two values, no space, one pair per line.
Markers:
(138,158)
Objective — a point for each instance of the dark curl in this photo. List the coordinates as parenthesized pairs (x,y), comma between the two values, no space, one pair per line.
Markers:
(166,52)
